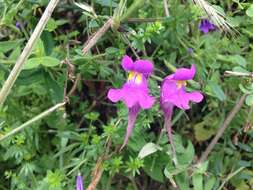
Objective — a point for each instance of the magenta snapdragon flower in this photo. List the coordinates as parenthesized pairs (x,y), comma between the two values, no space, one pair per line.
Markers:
(79,182)
(173,93)
(205,26)
(135,92)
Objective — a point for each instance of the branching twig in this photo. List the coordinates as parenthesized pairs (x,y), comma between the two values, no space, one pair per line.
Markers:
(223,127)
(72,90)
(27,51)
(94,38)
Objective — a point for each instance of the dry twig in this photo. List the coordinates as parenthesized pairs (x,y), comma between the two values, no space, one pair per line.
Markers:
(27,51)
(223,127)
(94,38)
(216,17)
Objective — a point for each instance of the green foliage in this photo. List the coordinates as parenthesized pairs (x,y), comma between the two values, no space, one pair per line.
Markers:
(51,152)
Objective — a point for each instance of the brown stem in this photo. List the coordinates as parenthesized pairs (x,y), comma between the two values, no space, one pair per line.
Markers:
(94,38)
(223,127)
(98,170)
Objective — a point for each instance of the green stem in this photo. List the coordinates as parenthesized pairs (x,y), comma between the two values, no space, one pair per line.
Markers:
(170,66)
(109,181)
(133,183)
(31,121)
(230,176)
(135,6)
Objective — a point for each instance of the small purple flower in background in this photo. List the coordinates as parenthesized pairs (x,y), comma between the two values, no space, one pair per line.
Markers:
(135,92)
(79,182)
(173,93)
(205,26)
(190,50)
(18,25)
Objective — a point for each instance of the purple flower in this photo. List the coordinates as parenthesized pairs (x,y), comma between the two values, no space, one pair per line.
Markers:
(18,25)
(205,26)
(79,182)
(190,50)
(173,93)
(135,92)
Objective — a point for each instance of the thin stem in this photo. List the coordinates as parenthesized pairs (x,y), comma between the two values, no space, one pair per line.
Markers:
(142,20)
(223,127)
(170,66)
(94,38)
(129,44)
(230,176)
(109,181)
(27,51)
(31,121)
(133,183)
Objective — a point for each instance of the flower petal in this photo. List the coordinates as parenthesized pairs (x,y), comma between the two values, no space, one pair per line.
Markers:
(185,74)
(127,63)
(79,183)
(130,99)
(132,115)
(195,96)
(143,66)
(146,101)
(115,95)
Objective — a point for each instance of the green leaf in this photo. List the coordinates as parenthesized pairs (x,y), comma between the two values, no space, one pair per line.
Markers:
(217,91)
(182,181)
(249,11)
(187,157)
(48,41)
(107,3)
(39,49)
(148,149)
(210,183)
(51,25)
(240,69)
(203,132)
(49,61)
(249,100)
(201,168)
(8,45)
(46,61)
(237,59)
(197,180)
(32,63)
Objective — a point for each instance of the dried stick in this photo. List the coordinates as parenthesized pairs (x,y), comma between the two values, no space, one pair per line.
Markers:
(94,38)
(97,173)
(31,121)
(221,130)
(166,7)
(27,51)
(238,74)
(98,170)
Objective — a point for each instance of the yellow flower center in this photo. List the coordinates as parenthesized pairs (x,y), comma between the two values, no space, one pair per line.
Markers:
(181,83)
(135,77)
